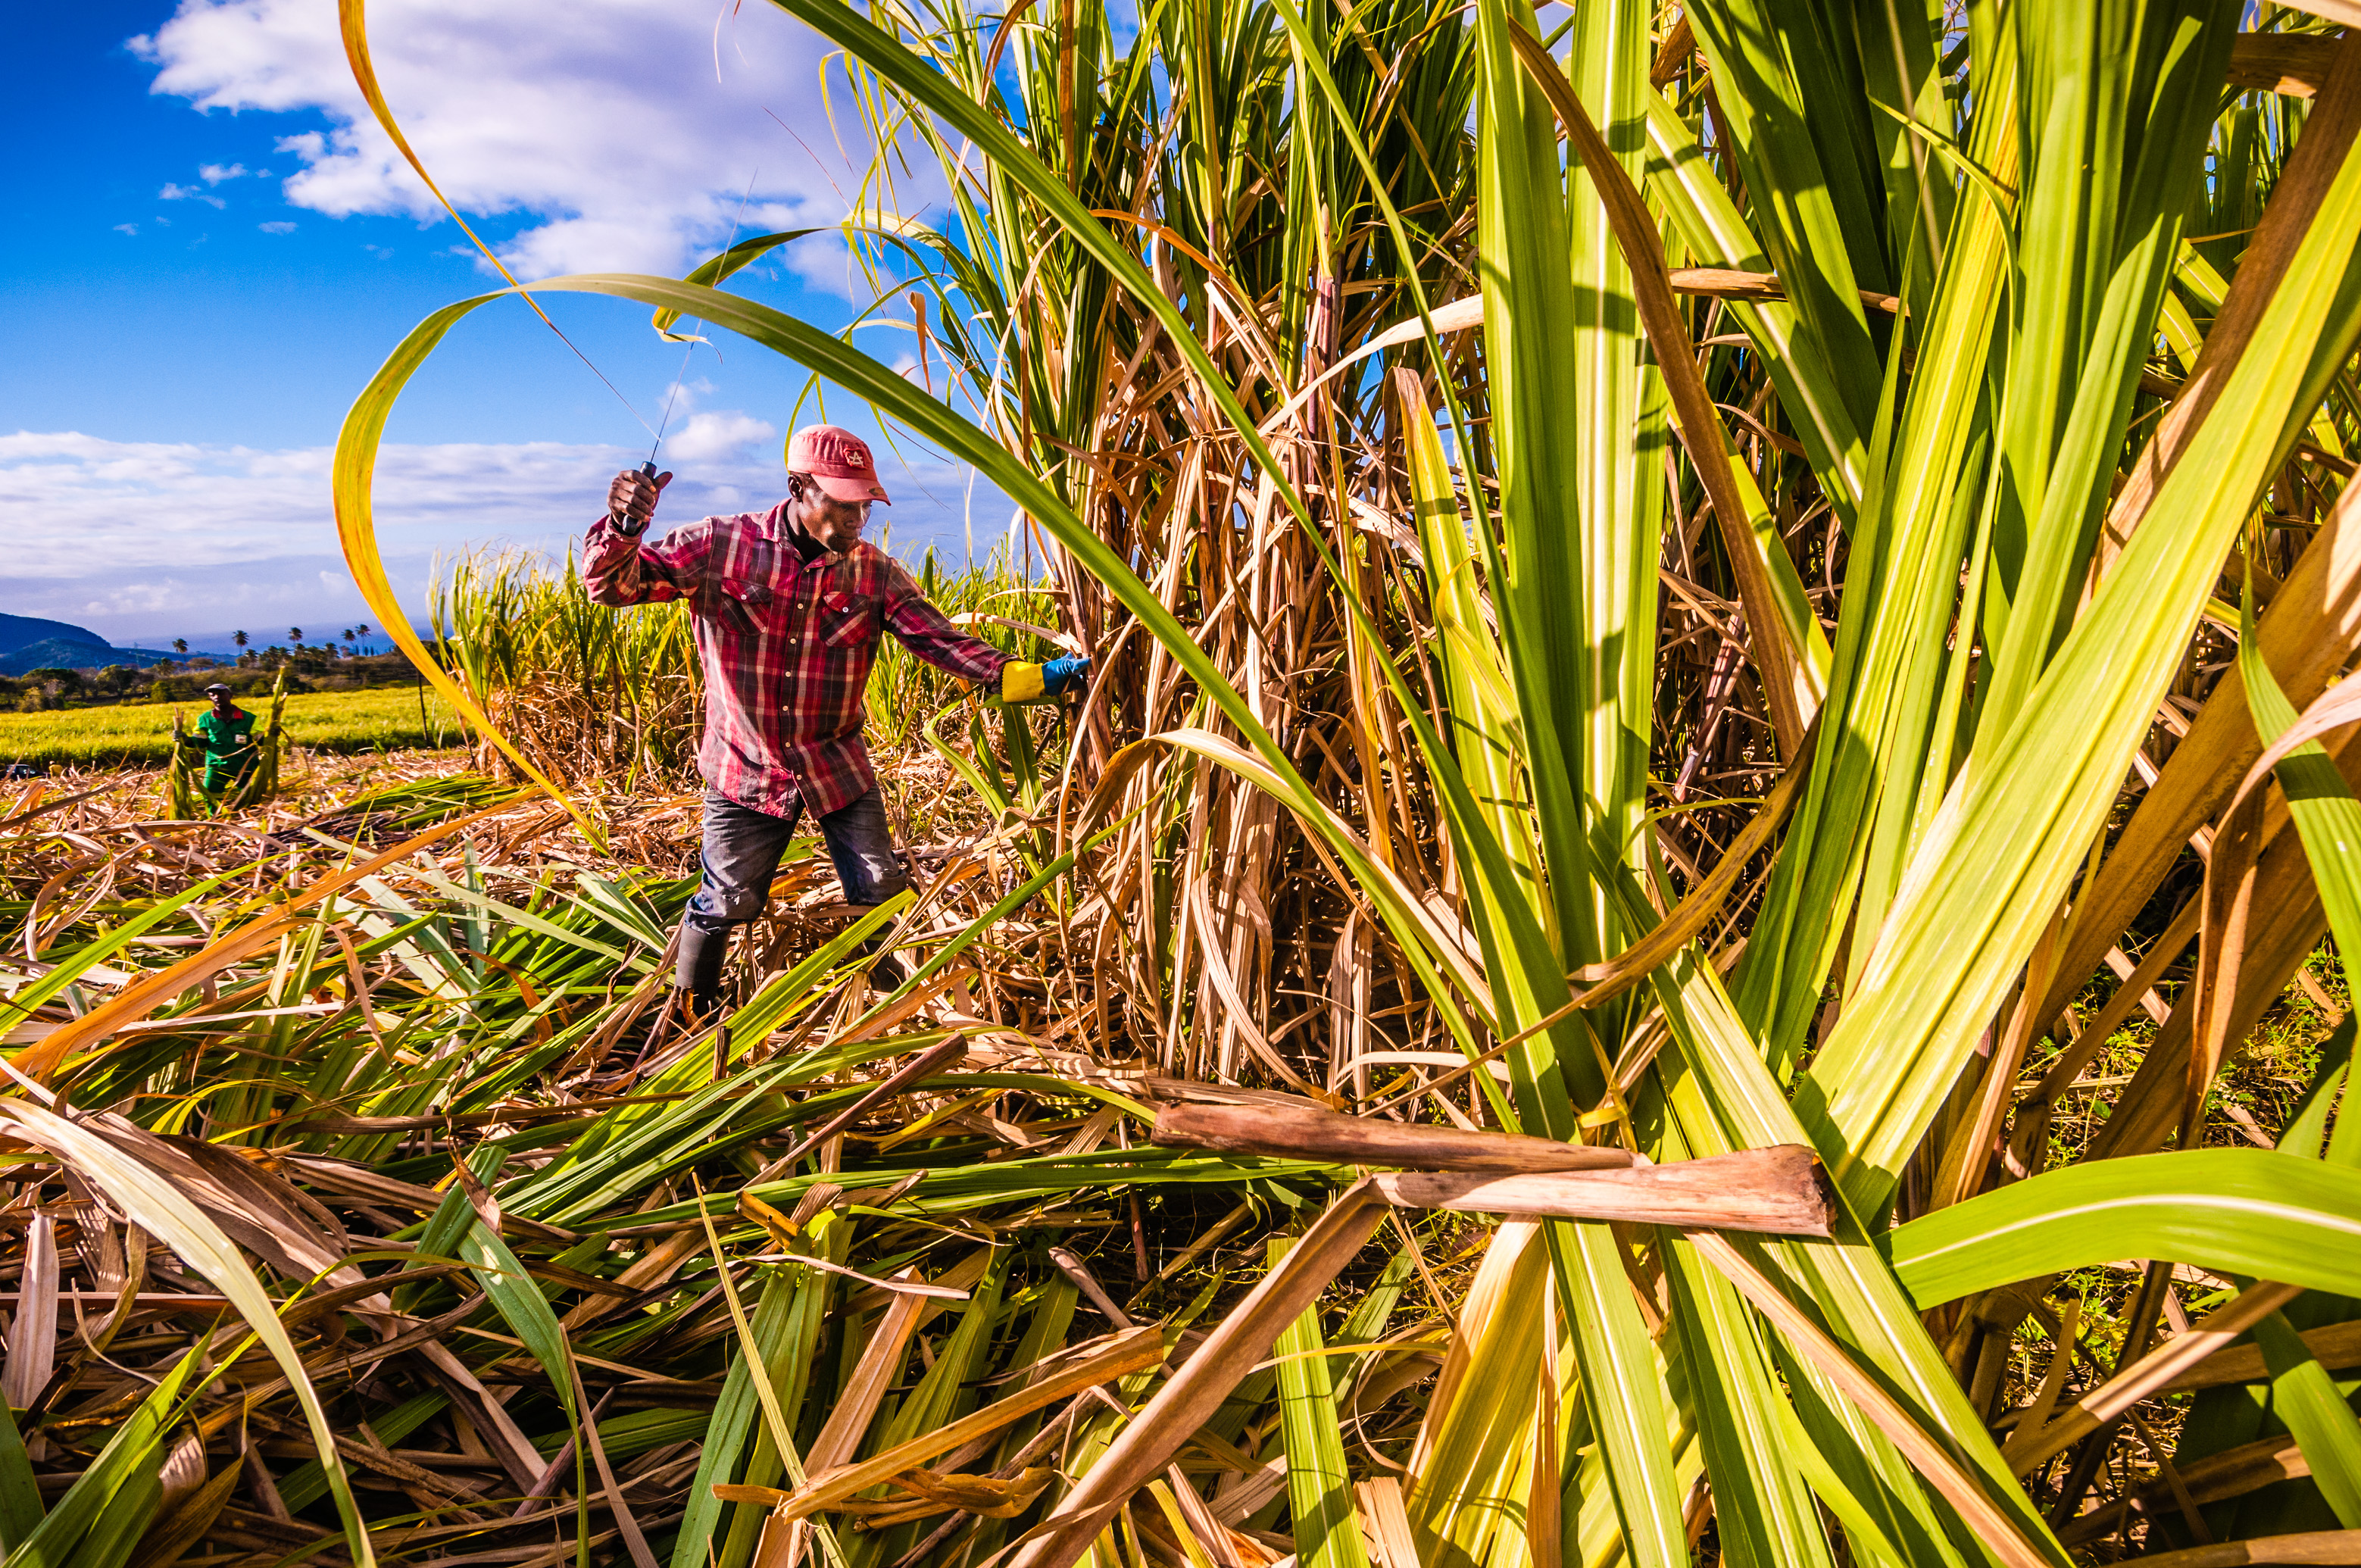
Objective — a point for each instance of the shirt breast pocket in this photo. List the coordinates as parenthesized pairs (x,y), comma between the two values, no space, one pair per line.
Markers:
(746,604)
(846,620)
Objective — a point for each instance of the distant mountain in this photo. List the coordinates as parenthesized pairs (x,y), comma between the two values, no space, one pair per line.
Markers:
(81,652)
(27,642)
(23,630)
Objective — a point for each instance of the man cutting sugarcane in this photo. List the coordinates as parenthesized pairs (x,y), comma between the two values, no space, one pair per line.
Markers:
(787,606)
(225,739)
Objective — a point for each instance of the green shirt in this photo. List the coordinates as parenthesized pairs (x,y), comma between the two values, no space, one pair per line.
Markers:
(227,740)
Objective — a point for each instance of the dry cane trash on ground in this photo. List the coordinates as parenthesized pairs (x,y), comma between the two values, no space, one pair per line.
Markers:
(455,994)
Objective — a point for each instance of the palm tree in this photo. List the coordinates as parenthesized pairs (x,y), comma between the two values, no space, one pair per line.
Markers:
(180,645)
(295,635)
(239,637)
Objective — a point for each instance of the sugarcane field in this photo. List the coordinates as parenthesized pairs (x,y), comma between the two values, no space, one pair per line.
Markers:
(1595,806)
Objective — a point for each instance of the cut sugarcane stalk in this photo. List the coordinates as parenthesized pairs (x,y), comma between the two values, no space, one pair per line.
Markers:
(1780,1190)
(1309,1134)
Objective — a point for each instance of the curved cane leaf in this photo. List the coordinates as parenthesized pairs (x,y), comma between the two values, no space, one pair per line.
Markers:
(2254,1212)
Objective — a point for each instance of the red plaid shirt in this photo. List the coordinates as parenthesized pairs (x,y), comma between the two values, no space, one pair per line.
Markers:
(786,646)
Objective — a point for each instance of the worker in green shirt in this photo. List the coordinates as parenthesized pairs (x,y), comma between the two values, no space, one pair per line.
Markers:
(225,735)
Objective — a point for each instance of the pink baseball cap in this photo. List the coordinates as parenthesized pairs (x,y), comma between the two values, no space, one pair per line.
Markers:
(838,459)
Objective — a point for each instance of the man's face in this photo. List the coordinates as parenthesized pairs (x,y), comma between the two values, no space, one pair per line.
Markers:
(833,525)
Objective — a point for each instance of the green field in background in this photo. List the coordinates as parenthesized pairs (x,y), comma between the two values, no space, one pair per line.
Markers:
(140,735)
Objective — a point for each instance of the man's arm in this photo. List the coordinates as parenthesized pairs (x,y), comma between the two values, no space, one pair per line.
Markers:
(617,567)
(927,632)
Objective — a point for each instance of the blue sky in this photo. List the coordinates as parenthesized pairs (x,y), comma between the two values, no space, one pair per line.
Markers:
(215,249)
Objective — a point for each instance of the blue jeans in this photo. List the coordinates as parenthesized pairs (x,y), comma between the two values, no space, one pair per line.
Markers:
(741,848)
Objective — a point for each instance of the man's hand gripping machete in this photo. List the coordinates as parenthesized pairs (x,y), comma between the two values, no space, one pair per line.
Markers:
(632,499)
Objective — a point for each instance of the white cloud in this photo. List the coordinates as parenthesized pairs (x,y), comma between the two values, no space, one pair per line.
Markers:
(692,436)
(603,119)
(827,262)
(711,435)
(133,598)
(127,228)
(171,193)
(132,538)
(215,173)
(281,227)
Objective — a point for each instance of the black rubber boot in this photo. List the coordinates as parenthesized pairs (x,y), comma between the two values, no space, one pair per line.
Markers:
(696,970)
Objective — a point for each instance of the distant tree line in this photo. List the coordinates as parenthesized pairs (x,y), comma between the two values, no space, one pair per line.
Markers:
(342,662)
(350,644)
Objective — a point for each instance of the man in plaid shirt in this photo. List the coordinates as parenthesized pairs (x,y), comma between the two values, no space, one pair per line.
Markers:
(787,606)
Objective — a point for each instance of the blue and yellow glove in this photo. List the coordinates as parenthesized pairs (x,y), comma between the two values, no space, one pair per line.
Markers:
(1021,682)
